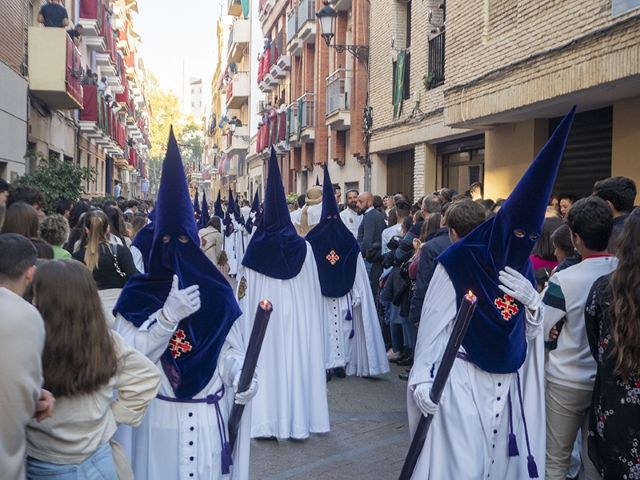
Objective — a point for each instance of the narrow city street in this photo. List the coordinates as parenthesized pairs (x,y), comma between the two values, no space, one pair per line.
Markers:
(369,436)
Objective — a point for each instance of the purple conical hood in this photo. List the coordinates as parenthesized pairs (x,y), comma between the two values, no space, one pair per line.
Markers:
(276,250)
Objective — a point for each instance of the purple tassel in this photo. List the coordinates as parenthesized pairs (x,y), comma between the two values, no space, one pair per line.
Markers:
(348,317)
(533,468)
(225,458)
(352,334)
(513,446)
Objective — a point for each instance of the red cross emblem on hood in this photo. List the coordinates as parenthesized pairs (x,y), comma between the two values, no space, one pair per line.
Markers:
(178,345)
(507,306)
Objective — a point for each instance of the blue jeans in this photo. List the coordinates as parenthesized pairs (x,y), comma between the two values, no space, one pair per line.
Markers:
(98,466)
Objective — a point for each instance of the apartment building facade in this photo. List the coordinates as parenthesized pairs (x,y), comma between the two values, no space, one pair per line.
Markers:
(313,95)
(479,106)
(53,105)
(239,119)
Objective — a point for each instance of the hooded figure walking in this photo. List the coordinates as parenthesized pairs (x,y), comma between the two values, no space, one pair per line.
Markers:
(490,420)
(196,341)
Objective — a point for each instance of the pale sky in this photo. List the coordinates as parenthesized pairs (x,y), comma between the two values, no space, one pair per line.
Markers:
(176,32)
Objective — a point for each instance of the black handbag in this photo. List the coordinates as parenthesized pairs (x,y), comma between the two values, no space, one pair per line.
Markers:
(374,252)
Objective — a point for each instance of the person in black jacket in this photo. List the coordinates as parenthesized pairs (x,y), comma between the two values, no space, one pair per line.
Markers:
(370,234)
(460,219)
(110,263)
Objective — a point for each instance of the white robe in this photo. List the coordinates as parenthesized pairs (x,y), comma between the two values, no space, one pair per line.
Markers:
(246,236)
(363,355)
(172,434)
(292,399)
(234,246)
(352,220)
(468,438)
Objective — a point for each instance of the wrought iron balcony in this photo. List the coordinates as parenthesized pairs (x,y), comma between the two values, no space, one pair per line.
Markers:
(435,77)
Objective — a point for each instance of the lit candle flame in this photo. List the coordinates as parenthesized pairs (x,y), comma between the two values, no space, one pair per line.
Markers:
(266,305)
(470,294)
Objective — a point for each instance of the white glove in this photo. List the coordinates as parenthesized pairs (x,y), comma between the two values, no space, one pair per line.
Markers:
(242,398)
(181,303)
(355,301)
(423,399)
(514,284)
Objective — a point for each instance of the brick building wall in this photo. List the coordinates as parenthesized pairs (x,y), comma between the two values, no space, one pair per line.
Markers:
(523,53)
(389,21)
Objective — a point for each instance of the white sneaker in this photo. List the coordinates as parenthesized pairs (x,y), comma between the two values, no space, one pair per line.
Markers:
(391,355)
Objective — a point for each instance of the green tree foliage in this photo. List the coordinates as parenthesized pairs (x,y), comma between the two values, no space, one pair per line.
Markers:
(57,179)
(165,106)
(191,141)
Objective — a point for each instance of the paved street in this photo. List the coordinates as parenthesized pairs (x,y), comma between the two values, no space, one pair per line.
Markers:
(368,439)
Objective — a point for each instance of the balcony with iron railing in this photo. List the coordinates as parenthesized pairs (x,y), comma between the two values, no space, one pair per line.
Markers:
(435,76)
(307,21)
(306,121)
(238,141)
(55,68)
(239,39)
(338,104)
(294,44)
(238,90)
(92,14)
(234,8)
(100,122)
(108,58)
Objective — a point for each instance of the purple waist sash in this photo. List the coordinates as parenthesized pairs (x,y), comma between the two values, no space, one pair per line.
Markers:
(226,459)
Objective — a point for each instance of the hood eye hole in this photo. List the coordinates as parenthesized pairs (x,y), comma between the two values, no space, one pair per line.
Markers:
(519,233)
(534,236)
(166,239)
(328,217)
(183,238)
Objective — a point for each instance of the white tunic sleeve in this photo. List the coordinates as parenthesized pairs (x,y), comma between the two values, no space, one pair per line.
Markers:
(436,323)
(151,339)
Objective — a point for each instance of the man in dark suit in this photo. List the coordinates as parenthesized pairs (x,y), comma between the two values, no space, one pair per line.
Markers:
(370,233)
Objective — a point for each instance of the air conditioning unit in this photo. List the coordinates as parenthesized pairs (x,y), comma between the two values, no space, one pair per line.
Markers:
(125,176)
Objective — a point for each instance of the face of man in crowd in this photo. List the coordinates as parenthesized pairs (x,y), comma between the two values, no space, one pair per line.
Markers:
(565,204)
(352,200)
(338,193)
(3,198)
(362,204)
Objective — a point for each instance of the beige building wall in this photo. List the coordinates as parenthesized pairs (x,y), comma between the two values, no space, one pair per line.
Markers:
(509,150)
(625,159)
(504,55)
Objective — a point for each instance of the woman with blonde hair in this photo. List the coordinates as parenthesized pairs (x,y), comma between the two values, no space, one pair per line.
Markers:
(612,317)
(83,363)
(110,263)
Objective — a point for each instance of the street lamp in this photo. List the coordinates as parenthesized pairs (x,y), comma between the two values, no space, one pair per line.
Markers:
(215,149)
(327,16)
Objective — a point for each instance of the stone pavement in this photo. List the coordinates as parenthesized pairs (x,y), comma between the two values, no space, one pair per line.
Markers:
(369,436)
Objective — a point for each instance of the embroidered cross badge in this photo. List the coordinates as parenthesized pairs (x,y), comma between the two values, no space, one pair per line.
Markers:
(178,345)
(333,257)
(507,306)
(242,288)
